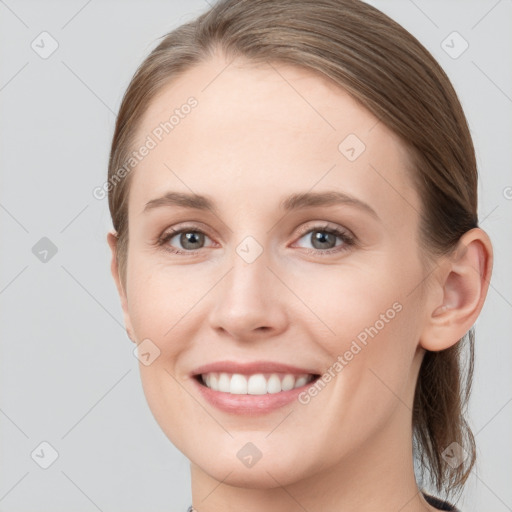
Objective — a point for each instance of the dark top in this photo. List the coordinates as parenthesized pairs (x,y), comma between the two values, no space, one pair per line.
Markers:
(432,500)
(441,505)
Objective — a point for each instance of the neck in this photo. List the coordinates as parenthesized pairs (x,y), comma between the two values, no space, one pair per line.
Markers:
(376,476)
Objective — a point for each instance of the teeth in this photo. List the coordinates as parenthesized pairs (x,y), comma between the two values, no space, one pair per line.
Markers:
(301,381)
(288,382)
(238,384)
(273,384)
(257,384)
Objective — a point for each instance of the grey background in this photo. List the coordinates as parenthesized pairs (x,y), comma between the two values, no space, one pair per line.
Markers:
(67,373)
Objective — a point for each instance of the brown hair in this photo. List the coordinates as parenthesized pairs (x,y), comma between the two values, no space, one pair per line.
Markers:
(390,73)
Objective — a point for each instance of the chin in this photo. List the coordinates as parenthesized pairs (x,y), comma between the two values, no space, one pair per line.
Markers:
(260,476)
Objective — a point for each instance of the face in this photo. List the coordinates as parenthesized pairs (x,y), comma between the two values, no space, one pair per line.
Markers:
(327,288)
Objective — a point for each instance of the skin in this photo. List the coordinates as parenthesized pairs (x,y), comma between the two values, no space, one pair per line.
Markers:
(258,134)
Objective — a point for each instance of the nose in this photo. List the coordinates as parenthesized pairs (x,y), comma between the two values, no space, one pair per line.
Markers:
(249,302)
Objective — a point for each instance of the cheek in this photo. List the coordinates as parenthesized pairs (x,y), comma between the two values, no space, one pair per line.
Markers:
(366,386)
(357,301)
(160,300)
(373,331)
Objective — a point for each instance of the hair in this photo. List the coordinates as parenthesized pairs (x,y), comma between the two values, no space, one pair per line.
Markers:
(389,72)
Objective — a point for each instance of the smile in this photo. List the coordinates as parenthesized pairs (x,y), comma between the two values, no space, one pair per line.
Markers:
(253,394)
(256,384)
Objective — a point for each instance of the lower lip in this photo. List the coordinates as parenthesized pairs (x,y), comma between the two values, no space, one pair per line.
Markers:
(250,404)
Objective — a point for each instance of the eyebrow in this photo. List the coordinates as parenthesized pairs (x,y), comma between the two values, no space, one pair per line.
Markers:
(293,202)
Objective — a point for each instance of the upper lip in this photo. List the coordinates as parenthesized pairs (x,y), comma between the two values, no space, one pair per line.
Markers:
(249,368)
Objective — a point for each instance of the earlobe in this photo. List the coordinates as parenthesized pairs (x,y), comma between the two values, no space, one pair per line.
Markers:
(464,280)
(112,242)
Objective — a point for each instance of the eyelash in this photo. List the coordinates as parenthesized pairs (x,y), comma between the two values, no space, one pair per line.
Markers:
(348,240)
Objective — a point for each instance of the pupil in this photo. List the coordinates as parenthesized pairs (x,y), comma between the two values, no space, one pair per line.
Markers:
(323,238)
(190,237)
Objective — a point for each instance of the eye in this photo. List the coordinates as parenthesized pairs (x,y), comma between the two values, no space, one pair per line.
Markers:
(190,239)
(324,239)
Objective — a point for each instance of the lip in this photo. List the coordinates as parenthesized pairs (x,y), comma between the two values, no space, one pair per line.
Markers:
(250,368)
(249,404)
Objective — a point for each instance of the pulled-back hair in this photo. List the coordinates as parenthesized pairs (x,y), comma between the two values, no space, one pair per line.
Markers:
(391,74)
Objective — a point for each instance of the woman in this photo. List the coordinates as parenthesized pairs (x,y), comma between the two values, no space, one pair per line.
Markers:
(293,190)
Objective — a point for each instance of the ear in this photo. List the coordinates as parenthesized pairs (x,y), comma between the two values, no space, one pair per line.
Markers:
(456,299)
(112,240)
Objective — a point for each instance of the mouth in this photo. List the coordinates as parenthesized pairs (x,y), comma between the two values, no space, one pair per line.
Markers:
(254,384)
(251,388)
(251,394)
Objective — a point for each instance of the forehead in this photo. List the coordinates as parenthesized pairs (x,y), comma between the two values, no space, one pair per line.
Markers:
(261,130)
